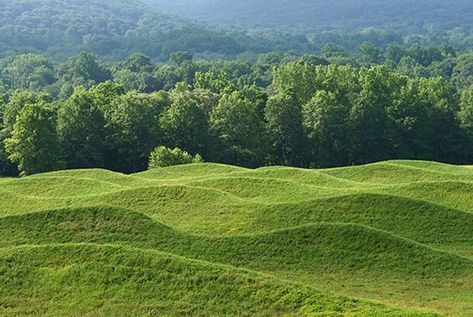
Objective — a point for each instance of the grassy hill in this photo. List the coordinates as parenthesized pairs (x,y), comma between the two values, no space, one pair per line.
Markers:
(386,239)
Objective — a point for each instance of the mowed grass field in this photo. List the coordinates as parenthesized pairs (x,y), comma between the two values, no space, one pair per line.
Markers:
(386,239)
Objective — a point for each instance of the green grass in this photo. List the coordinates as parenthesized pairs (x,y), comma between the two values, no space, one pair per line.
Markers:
(106,280)
(385,239)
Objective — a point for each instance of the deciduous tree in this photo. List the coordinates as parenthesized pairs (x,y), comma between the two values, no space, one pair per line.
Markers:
(34,144)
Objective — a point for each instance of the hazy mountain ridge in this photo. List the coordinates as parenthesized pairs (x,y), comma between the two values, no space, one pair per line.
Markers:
(112,29)
(324,14)
(66,26)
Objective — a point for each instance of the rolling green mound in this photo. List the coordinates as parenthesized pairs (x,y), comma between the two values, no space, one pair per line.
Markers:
(94,280)
(399,172)
(392,238)
(329,247)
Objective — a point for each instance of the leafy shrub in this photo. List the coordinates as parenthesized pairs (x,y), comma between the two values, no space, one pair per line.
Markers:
(163,156)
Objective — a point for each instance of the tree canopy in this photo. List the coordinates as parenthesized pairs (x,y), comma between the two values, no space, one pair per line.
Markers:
(281,109)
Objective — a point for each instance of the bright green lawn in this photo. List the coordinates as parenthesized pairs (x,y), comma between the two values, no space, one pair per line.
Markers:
(211,239)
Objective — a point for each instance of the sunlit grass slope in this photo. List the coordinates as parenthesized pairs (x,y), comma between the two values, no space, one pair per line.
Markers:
(106,280)
(391,238)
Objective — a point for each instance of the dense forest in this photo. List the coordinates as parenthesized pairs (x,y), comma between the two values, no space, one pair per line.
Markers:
(115,29)
(118,28)
(322,110)
(147,82)
(321,15)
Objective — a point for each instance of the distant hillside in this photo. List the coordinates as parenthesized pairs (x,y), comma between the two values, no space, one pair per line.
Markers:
(111,28)
(328,14)
(114,29)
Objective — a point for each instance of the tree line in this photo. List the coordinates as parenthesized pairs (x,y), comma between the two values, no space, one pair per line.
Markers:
(305,112)
(36,72)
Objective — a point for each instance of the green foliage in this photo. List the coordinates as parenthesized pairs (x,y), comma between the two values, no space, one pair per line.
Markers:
(466,113)
(280,109)
(368,118)
(121,28)
(296,78)
(137,62)
(81,130)
(216,83)
(132,124)
(163,156)
(370,54)
(326,122)
(18,100)
(129,27)
(34,143)
(311,115)
(463,71)
(181,57)
(84,70)
(136,73)
(334,51)
(410,122)
(323,15)
(7,168)
(284,128)
(30,71)
(184,123)
(239,129)
(105,93)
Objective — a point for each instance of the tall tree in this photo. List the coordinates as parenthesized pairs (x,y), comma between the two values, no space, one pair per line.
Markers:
(440,94)
(7,168)
(215,82)
(284,127)
(462,75)
(136,73)
(83,70)
(466,110)
(30,71)
(368,116)
(105,93)
(132,124)
(326,122)
(81,130)
(239,129)
(137,62)
(15,105)
(465,117)
(410,123)
(297,78)
(185,124)
(34,144)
